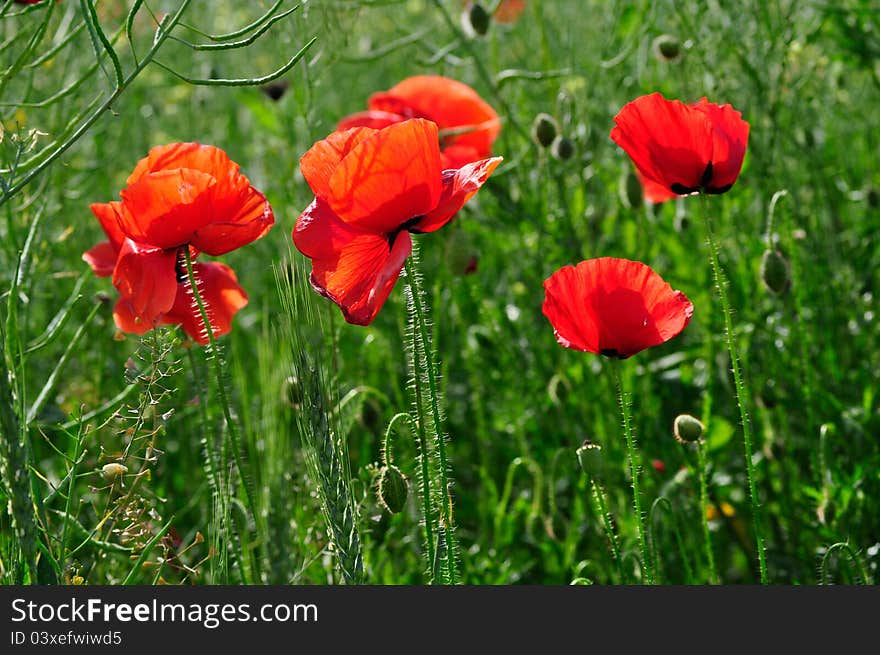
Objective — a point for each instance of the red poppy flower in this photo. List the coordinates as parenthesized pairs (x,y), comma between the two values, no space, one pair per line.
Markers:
(181,195)
(613,307)
(449,103)
(683,148)
(508,11)
(372,189)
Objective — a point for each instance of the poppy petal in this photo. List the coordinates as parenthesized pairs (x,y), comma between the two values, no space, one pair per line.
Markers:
(447,102)
(653,191)
(614,307)
(146,277)
(354,268)
(109,214)
(669,142)
(372,119)
(165,208)
(388,178)
(221,295)
(459,186)
(247,216)
(197,156)
(102,258)
(127,320)
(730,136)
(319,162)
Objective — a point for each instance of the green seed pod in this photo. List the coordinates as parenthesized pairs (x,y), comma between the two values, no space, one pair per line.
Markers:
(667,48)
(544,129)
(476,19)
(688,429)
(775,272)
(562,148)
(590,458)
(631,193)
(392,489)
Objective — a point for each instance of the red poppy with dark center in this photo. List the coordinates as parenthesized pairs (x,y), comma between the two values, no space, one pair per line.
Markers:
(471,124)
(184,195)
(613,307)
(372,189)
(683,148)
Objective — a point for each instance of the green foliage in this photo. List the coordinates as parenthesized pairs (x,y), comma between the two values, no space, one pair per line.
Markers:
(81,101)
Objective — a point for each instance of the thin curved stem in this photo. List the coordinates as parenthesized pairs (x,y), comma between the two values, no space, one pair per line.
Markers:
(602,509)
(741,394)
(704,519)
(634,467)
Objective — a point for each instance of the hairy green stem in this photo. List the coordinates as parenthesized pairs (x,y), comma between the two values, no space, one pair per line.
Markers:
(420,334)
(741,392)
(231,425)
(704,506)
(634,467)
(602,509)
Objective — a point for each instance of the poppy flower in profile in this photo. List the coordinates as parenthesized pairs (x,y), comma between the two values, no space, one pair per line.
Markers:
(372,189)
(683,148)
(472,125)
(613,307)
(184,195)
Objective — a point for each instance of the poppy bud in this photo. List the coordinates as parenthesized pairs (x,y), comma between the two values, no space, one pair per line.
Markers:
(476,19)
(275,90)
(113,470)
(775,273)
(667,48)
(544,129)
(292,391)
(688,429)
(392,488)
(631,190)
(562,148)
(590,458)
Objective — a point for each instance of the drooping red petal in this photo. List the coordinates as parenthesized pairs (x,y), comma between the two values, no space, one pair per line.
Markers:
(669,142)
(147,279)
(457,155)
(653,191)
(730,136)
(614,307)
(127,320)
(221,295)
(372,119)
(165,208)
(102,258)
(447,102)
(109,214)
(388,178)
(356,269)
(319,162)
(459,186)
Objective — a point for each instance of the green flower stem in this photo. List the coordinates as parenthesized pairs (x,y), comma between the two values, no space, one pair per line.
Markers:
(741,397)
(704,506)
(421,334)
(634,467)
(224,397)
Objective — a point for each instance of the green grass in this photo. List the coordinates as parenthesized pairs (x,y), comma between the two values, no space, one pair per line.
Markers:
(517,406)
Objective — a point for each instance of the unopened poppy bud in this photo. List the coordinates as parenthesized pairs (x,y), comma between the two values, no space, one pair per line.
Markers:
(291,391)
(688,429)
(562,148)
(113,470)
(544,129)
(392,489)
(631,192)
(775,273)
(667,48)
(590,458)
(476,19)
(275,90)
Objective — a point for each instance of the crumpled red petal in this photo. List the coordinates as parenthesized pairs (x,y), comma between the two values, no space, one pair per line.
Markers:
(459,186)
(146,278)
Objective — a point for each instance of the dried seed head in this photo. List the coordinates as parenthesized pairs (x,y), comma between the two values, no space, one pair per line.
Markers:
(667,48)
(113,470)
(688,429)
(544,129)
(775,271)
(475,19)
(562,148)
(392,489)
(590,458)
